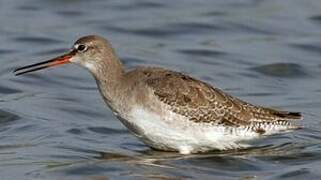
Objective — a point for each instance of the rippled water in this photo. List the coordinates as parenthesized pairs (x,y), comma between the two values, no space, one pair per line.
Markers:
(54,124)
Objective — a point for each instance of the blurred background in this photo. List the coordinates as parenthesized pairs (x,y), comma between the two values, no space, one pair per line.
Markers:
(54,124)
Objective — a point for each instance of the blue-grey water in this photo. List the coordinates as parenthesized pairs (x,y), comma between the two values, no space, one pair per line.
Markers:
(54,124)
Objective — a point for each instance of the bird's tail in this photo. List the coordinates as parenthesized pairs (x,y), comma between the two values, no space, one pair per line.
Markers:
(285,115)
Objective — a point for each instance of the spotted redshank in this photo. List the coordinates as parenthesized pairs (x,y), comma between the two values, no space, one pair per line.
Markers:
(169,110)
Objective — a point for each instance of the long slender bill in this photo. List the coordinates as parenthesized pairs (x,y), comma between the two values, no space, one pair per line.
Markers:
(64,59)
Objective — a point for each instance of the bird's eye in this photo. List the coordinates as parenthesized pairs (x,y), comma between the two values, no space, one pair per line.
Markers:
(81,47)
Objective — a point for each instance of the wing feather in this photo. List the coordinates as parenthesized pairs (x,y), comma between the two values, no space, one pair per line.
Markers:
(201,102)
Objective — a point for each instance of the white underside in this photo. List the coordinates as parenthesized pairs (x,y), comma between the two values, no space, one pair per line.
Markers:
(176,133)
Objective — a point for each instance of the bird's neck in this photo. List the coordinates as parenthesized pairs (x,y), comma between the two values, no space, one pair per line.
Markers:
(109,75)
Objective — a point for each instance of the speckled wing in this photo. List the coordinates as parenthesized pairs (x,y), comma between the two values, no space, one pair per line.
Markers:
(200,102)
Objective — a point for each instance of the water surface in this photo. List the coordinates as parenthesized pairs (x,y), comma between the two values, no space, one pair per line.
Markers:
(54,124)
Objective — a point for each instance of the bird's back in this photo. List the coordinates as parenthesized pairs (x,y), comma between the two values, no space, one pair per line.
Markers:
(202,103)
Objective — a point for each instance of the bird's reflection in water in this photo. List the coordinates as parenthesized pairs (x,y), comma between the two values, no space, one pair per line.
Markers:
(152,164)
(147,157)
(159,158)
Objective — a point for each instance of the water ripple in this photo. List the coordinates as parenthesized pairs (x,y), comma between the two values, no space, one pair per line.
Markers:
(7,51)
(37,40)
(202,52)
(54,125)
(167,30)
(29,7)
(6,117)
(8,90)
(106,130)
(139,5)
(286,70)
(313,48)
(316,18)
(302,172)
(70,13)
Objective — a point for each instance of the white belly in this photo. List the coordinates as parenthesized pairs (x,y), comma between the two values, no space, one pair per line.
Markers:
(176,133)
